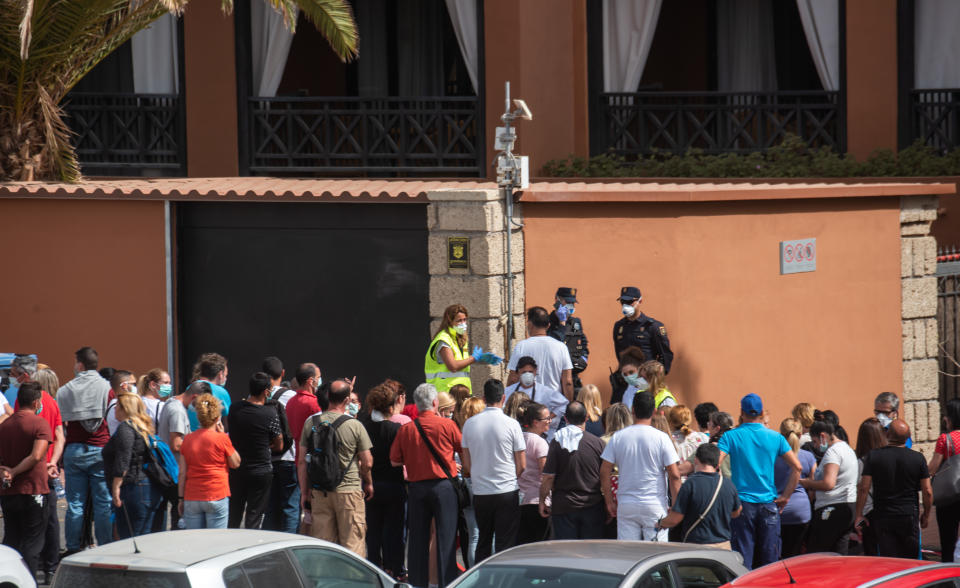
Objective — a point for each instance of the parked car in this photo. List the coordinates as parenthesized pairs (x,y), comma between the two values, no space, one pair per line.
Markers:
(13,570)
(605,564)
(207,558)
(838,571)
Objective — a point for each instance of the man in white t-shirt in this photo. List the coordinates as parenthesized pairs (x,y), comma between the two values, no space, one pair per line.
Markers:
(554,367)
(283,506)
(494,456)
(647,461)
(554,400)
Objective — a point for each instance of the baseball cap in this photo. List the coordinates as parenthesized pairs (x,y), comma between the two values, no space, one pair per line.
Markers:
(567,294)
(751,404)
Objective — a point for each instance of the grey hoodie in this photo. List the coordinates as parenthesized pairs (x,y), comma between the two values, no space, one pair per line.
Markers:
(84,400)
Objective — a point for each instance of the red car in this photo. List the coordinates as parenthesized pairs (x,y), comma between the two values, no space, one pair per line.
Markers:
(837,571)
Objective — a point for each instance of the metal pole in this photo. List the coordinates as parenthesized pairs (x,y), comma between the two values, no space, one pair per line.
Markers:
(508,196)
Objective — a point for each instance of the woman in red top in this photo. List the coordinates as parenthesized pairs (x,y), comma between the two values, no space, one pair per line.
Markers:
(204,457)
(948,515)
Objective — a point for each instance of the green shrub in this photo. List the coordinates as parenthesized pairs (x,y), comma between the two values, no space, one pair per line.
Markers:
(790,159)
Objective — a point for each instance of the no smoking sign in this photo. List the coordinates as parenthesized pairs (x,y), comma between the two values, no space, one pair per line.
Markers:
(798,255)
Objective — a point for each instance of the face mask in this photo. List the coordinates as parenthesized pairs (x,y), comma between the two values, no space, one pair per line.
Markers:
(569,309)
(823,447)
(527,378)
(40,409)
(353,408)
(637,381)
(319,383)
(628,310)
(884,420)
(461,329)
(132,388)
(165,390)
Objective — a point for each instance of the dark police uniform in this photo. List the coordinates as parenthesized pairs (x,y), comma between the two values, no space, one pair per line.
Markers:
(570,334)
(646,333)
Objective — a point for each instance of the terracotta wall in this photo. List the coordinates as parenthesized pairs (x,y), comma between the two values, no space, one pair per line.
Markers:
(710,272)
(84,273)
(871,76)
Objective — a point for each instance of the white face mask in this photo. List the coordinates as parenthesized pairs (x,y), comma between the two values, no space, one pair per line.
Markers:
(628,310)
(461,329)
(884,420)
(527,379)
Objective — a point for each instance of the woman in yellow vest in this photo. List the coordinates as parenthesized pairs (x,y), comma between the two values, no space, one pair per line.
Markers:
(448,360)
(644,375)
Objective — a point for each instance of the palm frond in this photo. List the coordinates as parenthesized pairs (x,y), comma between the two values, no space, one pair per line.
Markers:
(26,29)
(334,19)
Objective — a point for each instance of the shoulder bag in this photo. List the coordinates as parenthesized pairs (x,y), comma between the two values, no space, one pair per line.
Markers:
(459,486)
(946,482)
(703,515)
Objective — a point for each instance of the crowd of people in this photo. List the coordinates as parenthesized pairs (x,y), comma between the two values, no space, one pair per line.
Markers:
(407,482)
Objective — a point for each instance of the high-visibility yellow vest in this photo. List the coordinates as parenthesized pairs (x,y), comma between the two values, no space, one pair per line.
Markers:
(436,372)
(662,395)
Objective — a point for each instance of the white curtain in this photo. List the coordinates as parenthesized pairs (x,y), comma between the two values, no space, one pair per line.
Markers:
(628,29)
(463,16)
(270,44)
(821,25)
(746,60)
(155,58)
(937,44)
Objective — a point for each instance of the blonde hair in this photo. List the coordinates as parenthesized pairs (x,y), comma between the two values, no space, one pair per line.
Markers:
(136,414)
(444,400)
(652,371)
(680,418)
(590,396)
(460,394)
(658,421)
(154,375)
(208,409)
(512,407)
(49,383)
(471,407)
(618,417)
(791,429)
(803,412)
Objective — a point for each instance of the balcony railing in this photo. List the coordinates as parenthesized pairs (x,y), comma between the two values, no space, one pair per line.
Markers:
(128,134)
(363,136)
(935,117)
(641,123)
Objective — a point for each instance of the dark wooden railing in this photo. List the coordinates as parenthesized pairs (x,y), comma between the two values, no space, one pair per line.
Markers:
(128,134)
(365,136)
(935,118)
(641,123)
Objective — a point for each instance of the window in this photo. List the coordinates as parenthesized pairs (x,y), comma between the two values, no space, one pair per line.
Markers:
(948,583)
(660,577)
(84,577)
(326,567)
(507,576)
(264,571)
(702,574)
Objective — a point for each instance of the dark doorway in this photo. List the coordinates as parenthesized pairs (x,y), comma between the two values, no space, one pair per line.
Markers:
(342,285)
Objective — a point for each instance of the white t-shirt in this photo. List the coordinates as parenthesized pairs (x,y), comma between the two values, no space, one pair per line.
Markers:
(641,453)
(554,400)
(492,438)
(151,405)
(290,454)
(552,358)
(845,490)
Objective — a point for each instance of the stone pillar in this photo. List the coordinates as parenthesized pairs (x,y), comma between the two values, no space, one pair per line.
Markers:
(918,268)
(479,216)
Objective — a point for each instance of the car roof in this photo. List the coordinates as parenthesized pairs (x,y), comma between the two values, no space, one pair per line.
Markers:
(598,555)
(821,568)
(183,548)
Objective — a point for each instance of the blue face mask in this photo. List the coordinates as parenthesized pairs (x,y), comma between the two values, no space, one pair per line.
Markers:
(165,390)
(353,408)
(637,381)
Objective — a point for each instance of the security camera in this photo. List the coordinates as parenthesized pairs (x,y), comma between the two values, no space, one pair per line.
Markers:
(523,111)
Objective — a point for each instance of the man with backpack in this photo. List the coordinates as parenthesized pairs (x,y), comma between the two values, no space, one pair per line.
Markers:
(333,467)
(283,508)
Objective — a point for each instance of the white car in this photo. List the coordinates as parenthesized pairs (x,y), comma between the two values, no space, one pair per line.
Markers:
(13,570)
(207,558)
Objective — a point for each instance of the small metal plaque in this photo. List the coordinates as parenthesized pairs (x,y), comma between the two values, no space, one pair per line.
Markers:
(458,252)
(797,256)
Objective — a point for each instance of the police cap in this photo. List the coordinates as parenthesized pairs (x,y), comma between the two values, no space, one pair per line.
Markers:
(567,294)
(630,293)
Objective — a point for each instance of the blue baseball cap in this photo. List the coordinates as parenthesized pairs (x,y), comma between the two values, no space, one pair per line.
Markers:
(751,404)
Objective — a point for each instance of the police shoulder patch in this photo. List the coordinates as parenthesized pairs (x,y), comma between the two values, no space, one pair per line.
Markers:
(663,330)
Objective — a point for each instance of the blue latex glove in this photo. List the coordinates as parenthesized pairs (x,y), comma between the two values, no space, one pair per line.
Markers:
(477,353)
(562,313)
(490,358)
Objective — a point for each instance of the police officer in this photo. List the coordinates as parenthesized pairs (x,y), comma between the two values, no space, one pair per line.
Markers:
(636,328)
(569,331)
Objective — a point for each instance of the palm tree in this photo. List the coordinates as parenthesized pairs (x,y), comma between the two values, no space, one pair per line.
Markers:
(47,46)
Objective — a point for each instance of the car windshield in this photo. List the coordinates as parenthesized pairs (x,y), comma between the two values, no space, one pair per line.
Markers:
(69,576)
(503,576)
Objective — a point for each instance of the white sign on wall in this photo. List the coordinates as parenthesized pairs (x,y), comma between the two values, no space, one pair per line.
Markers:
(797,256)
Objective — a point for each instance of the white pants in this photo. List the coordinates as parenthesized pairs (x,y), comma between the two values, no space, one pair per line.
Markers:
(637,522)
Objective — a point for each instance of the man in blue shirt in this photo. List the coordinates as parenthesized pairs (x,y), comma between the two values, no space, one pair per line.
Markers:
(753,450)
(212,368)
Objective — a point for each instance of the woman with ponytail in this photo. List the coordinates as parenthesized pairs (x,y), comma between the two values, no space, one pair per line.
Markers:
(795,517)
(534,420)
(686,439)
(155,387)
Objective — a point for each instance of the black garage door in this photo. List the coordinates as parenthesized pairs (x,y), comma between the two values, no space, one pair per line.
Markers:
(342,285)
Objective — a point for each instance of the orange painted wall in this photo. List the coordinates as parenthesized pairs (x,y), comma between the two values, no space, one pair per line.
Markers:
(710,272)
(86,273)
(871,76)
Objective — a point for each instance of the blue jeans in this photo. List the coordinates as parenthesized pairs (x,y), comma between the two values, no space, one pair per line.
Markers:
(202,514)
(83,467)
(757,527)
(583,523)
(140,504)
(283,508)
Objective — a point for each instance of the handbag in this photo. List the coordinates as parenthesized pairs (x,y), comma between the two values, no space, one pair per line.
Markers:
(459,486)
(703,515)
(946,482)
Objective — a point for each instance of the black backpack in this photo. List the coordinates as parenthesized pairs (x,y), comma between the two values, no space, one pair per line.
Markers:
(274,401)
(323,454)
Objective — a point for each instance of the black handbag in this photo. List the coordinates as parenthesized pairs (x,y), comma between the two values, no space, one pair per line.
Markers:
(459,485)
(946,482)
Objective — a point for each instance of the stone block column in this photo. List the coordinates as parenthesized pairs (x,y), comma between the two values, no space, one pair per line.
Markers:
(482,287)
(918,268)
